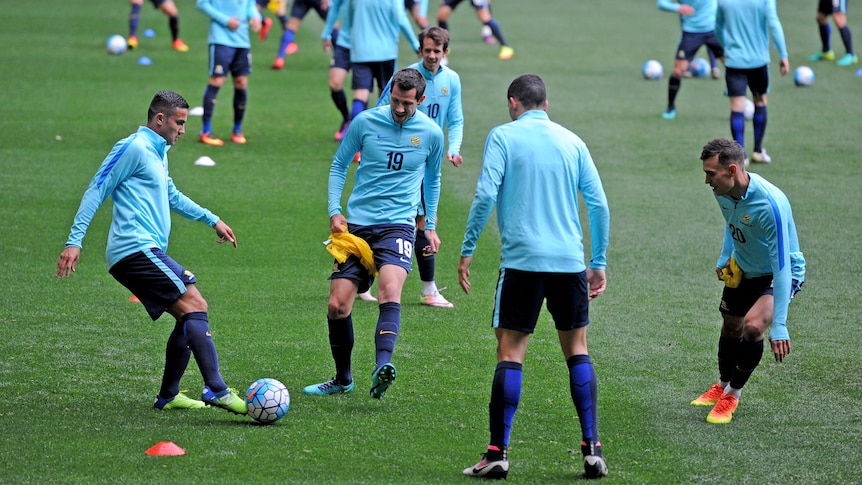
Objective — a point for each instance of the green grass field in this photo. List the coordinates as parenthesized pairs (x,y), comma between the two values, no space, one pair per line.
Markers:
(80,365)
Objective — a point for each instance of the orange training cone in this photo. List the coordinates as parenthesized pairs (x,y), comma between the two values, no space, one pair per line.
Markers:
(165,448)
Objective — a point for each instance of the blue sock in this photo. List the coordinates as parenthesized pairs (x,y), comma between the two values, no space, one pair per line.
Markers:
(495,29)
(583,388)
(177,354)
(286,38)
(240,98)
(134,17)
(358,107)
(386,333)
(197,330)
(759,122)
(210,95)
(505,396)
(341,342)
(737,126)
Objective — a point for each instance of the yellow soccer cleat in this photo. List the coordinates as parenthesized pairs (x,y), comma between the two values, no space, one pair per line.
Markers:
(180,46)
(506,53)
(722,413)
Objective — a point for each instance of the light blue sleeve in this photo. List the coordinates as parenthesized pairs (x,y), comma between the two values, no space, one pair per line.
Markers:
(433,171)
(207,7)
(776,30)
(384,98)
(331,18)
(779,252)
(340,163)
(597,207)
(455,117)
(186,207)
(487,189)
(407,28)
(668,6)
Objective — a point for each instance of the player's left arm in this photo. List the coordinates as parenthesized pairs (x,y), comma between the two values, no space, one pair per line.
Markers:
(777,32)
(455,121)
(590,186)
(775,231)
(433,175)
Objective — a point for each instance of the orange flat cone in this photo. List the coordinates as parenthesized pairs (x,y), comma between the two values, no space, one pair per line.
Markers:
(165,448)
(134,299)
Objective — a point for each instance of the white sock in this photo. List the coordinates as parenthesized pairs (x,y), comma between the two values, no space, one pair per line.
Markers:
(429,288)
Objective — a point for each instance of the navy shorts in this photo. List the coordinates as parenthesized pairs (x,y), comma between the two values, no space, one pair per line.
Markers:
(690,42)
(301,8)
(157,3)
(233,60)
(340,56)
(519,296)
(477,4)
(390,243)
(154,277)
(738,80)
(366,73)
(738,301)
(828,7)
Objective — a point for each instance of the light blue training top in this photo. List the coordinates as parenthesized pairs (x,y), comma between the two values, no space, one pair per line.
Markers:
(533,169)
(220,12)
(338,9)
(395,161)
(374,28)
(703,19)
(135,176)
(743,27)
(761,235)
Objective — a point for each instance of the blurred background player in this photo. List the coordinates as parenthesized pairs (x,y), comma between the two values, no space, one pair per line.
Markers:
(419,11)
(297,13)
(483,12)
(336,40)
(838,10)
(443,105)
(277,8)
(743,28)
(229,51)
(170,9)
(697,18)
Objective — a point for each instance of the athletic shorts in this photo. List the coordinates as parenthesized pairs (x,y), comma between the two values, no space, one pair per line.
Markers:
(301,8)
(690,42)
(390,243)
(233,60)
(158,3)
(477,4)
(156,279)
(340,56)
(738,80)
(519,296)
(828,7)
(366,73)
(738,301)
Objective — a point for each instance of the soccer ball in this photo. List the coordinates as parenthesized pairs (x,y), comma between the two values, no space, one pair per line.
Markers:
(267,400)
(749,109)
(652,69)
(116,44)
(803,76)
(699,67)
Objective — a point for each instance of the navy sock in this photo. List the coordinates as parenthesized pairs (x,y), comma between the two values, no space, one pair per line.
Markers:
(443,24)
(240,98)
(210,95)
(759,122)
(386,333)
(341,344)
(425,261)
(583,387)
(197,330)
(673,86)
(177,354)
(728,350)
(737,126)
(505,396)
(495,29)
(750,354)
(847,38)
(340,101)
(134,17)
(825,33)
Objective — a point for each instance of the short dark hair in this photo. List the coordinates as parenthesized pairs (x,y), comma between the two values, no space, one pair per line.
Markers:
(167,102)
(436,33)
(728,151)
(529,90)
(407,79)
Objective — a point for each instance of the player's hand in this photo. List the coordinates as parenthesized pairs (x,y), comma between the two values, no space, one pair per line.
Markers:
(225,233)
(337,223)
(780,348)
(433,242)
(784,66)
(327,45)
(254,24)
(233,23)
(456,159)
(464,273)
(686,10)
(68,261)
(598,281)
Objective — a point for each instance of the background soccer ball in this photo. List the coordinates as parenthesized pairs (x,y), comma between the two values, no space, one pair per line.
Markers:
(699,67)
(803,76)
(749,109)
(116,44)
(267,400)
(652,69)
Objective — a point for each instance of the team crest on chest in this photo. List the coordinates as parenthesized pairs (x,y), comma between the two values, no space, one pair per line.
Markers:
(746,219)
(414,140)
(444,91)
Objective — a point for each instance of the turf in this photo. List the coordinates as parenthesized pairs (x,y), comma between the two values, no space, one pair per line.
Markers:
(80,365)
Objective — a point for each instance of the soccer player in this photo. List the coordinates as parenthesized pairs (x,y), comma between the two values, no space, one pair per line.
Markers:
(297,13)
(697,18)
(135,176)
(337,41)
(533,170)
(443,105)
(760,242)
(419,11)
(230,51)
(483,12)
(278,8)
(838,10)
(743,27)
(170,9)
(402,150)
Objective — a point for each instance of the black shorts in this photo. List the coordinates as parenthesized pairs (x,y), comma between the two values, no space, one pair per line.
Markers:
(156,279)
(520,294)
(738,80)
(828,7)
(738,301)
